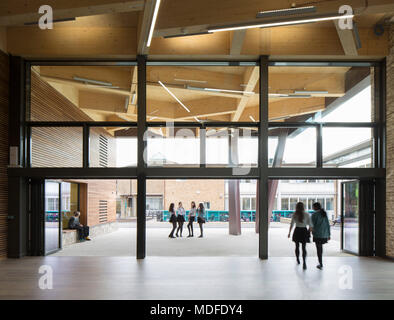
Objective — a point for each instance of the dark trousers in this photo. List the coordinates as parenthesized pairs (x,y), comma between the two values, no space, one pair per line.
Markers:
(201,228)
(180,228)
(83,232)
(173,229)
(297,250)
(319,249)
(190,227)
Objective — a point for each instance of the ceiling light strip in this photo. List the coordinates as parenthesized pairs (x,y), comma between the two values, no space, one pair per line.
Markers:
(174,96)
(152,26)
(269,24)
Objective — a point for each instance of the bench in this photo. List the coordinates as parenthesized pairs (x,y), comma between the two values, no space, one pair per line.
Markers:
(69,236)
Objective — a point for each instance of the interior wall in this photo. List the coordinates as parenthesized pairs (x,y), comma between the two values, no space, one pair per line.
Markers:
(390,148)
(4,93)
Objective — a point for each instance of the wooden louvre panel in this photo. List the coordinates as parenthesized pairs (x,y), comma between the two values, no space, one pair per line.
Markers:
(103,151)
(4,101)
(103,211)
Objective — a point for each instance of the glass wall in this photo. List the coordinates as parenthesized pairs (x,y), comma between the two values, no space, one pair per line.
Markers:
(52,216)
(83,93)
(196,93)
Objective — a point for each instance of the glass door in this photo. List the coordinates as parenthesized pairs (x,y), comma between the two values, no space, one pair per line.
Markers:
(350,216)
(52,224)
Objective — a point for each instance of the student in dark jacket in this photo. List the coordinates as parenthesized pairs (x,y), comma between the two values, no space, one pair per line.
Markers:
(83,231)
(321,231)
(173,220)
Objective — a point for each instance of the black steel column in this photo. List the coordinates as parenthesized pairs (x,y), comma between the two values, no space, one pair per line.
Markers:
(17,186)
(203,149)
(319,146)
(141,165)
(86,147)
(366,218)
(263,159)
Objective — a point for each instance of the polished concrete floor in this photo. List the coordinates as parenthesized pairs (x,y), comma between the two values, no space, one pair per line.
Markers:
(217,242)
(194,278)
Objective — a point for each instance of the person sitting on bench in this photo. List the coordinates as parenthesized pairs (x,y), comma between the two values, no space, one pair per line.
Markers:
(83,231)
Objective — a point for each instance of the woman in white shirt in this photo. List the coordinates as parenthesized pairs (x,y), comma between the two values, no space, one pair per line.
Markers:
(180,218)
(192,217)
(301,234)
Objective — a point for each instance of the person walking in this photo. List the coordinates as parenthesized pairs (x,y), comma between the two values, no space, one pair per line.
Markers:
(180,218)
(321,231)
(173,220)
(201,218)
(192,217)
(301,234)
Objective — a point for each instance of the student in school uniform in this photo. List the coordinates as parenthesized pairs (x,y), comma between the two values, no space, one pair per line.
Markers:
(192,218)
(173,220)
(180,219)
(201,218)
(301,234)
(321,231)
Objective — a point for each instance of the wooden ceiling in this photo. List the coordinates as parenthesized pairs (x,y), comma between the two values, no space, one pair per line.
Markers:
(238,101)
(119,28)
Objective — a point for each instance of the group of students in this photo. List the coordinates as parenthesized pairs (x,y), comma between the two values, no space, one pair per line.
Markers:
(319,227)
(178,218)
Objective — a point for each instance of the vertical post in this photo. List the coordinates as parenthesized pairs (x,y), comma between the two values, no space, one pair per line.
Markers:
(86,148)
(141,165)
(17,186)
(319,146)
(263,159)
(203,149)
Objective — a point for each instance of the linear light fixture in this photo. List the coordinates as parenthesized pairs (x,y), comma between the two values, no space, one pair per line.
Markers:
(126,104)
(152,26)
(174,96)
(186,80)
(282,22)
(54,21)
(103,83)
(309,92)
(286,12)
(218,90)
(251,118)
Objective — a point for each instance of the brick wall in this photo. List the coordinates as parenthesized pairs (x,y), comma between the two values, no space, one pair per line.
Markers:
(390,148)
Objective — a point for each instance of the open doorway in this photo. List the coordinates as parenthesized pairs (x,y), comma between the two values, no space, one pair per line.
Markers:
(230,217)
(339,198)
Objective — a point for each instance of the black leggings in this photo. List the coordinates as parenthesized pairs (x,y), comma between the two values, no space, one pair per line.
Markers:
(190,227)
(297,250)
(319,249)
(173,229)
(201,229)
(180,228)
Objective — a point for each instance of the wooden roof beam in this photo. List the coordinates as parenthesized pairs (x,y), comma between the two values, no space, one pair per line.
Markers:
(145,25)
(348,42)
(237,41)
(251,78)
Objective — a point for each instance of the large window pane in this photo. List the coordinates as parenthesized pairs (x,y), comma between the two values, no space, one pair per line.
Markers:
(320,93)
(347,147)
(299,147)
(234,147)
(113,147)
(201,93)
(56,147)
(83,93)
(173,147)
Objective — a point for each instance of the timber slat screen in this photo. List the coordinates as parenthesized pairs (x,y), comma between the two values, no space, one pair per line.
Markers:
(4,101)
